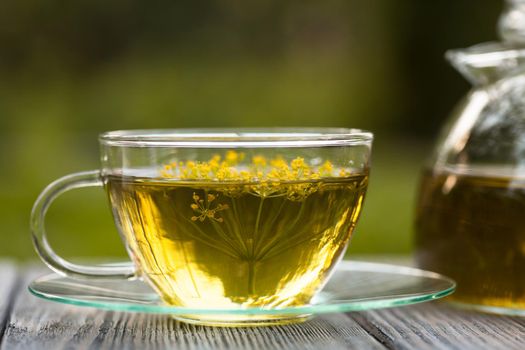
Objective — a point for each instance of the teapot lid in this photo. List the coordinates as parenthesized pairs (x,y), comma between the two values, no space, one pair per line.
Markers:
(511,26)
(488,62)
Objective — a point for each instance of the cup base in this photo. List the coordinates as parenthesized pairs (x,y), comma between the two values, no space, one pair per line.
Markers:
(241,320)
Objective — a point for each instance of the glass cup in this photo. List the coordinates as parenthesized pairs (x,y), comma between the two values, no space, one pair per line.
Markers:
(215,218)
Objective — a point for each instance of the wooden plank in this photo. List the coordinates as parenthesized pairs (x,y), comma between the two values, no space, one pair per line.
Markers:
(437,325)
(39,324)
(8,276)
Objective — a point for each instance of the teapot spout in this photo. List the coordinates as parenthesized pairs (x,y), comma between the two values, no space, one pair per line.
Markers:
(486,63)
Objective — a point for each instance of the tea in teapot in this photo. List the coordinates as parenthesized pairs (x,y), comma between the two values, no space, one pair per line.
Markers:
(470,221)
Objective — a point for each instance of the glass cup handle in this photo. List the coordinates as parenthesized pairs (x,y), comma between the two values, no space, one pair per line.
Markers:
(47,254)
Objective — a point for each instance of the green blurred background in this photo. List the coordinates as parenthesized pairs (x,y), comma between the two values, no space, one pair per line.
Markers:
(70,70)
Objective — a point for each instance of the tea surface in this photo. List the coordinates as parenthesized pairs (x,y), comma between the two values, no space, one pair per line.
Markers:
(471,227)
(212,244)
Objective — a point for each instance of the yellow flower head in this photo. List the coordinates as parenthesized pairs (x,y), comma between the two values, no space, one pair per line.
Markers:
(259,161)
(233,158)
(262,176)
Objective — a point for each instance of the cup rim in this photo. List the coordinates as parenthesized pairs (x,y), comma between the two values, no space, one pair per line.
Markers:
(237,137)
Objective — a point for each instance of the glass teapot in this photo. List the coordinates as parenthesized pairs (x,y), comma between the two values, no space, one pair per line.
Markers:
(470,219)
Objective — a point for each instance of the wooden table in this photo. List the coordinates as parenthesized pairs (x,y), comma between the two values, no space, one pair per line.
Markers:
(30,323)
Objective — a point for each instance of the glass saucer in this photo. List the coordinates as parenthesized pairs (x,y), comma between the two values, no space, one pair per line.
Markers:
(354,286)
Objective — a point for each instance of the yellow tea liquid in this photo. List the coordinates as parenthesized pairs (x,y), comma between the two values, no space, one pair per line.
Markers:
(471,227)
(234,244)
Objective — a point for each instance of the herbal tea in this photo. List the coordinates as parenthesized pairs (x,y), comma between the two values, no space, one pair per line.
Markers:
(231,243)
(471,227)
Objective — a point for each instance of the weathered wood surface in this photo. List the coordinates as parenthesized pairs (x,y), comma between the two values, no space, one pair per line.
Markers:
(436,325)
(8,285)
(31,323)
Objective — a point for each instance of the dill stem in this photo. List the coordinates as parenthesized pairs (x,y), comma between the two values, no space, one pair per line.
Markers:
(218,229)
(251,277)
(255,232)
(278,235)
(213,243)
(238,227)
(267,227)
